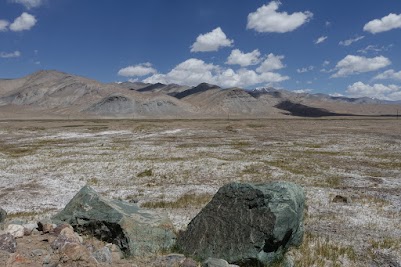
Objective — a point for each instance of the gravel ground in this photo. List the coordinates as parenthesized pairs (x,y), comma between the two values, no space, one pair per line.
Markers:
(44,163)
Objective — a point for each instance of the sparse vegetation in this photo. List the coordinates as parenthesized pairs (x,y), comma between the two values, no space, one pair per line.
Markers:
(93,181)
(386,243)
(145,173)
(153,167)
(319,251)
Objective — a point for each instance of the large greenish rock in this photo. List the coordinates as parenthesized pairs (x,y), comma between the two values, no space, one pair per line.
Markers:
(247,224)
(136,231)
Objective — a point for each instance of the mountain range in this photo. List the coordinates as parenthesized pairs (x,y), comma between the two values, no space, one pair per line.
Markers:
(54,94)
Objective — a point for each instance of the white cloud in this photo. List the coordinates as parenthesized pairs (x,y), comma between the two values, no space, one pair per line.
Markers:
(321,39)
(374,49)
(243,59)
(29,3)
(351,41)
(24,22)
(336,95)
(267,19)
(387,23)
(272,62)
(356,64)
(211,41)
(195,71)
(10,55)
(389,75)
(4,25)
(305,69)
(325,63)
(190,72)
(303,91)
(379,91)
(137,70)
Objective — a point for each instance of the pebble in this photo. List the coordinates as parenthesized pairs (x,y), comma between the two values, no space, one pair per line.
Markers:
(17,231)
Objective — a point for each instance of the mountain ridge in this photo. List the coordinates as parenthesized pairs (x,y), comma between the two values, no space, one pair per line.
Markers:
(51,92)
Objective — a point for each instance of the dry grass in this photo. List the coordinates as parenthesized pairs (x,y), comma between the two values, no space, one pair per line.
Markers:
(142,161)
(321,251)
(185,201)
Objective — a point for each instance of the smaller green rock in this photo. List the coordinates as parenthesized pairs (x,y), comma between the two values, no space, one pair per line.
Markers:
(137,232)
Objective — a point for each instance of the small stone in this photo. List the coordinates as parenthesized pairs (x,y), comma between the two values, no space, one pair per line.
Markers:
(3,215)
(47,259)
(57,229)
(37,252)
(46,226)
(8,243)
(28,228)
(66,236)
(15,230)
(35,232)
(340,199)
(103,255)
(77,253)
(212,262)
(188,262)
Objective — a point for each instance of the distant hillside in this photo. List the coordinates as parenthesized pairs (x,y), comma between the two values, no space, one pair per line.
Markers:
(57,94)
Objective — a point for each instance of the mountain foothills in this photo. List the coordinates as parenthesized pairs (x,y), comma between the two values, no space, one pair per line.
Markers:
(53,94)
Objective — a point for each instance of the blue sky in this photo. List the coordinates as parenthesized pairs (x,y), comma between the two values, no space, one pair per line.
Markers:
(337,47)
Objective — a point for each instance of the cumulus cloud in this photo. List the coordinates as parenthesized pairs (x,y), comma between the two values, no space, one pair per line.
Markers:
(195,71)
(29,3)
(321,39)
(4,25)
(387,23)
(211,41)
(243,59)
(137,70)
(24,22)
(10,55)
(305,69)
(351,41)
(378,91)
(267,19)
(272,62)
(356,64)
(389,75)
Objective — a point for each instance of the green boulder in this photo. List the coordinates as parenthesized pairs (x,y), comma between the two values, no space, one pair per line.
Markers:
(137,232)
(247,224)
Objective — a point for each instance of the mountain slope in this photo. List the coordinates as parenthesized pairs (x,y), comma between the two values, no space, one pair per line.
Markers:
(61,93)
(58,94)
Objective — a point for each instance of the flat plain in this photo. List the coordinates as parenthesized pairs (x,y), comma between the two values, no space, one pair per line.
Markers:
(177,165)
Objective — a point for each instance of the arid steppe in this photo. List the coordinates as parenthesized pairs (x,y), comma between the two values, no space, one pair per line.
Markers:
(177,166)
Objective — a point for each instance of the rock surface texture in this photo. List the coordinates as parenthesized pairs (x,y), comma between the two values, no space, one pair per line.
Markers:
(247,224)
(135,231)
(3,215)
